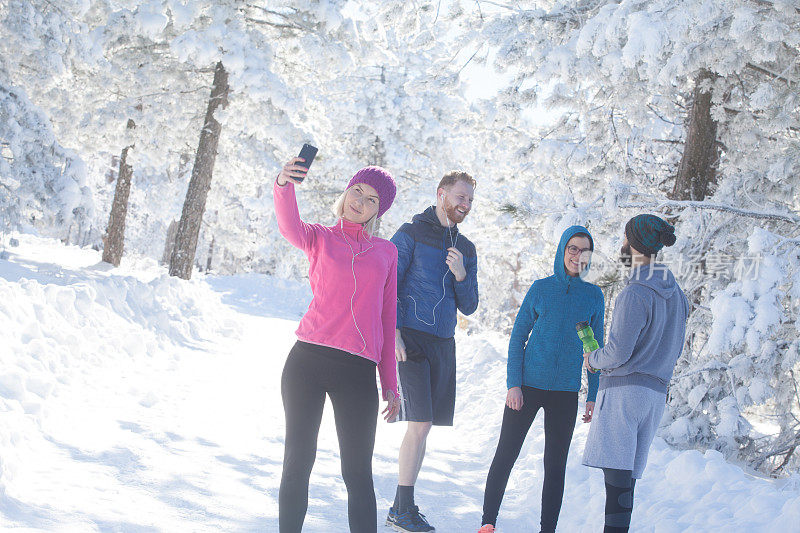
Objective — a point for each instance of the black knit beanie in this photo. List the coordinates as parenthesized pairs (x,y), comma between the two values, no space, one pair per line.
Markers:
(649,233)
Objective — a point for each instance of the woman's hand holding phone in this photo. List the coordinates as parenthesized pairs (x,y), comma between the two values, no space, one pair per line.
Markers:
(293,172)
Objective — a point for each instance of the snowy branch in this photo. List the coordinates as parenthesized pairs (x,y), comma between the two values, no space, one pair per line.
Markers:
(161,93)
(497,4)
(769,3)
(656,113)
(564,15)
(290,24)
(690,204)
(291,27)
(771,74)
(470,59)
(787,449)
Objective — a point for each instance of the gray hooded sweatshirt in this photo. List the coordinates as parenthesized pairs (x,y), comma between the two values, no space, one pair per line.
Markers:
(648,330)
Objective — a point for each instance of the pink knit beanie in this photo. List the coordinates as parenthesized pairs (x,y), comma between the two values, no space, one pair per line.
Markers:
(379,179)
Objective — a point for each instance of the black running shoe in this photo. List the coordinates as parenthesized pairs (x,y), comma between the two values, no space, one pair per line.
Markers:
(410,521)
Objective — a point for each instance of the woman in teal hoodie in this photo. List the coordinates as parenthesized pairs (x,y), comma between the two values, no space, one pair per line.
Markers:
(545,358)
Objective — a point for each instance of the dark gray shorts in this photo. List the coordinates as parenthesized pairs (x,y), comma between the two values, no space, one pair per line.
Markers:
(427,378)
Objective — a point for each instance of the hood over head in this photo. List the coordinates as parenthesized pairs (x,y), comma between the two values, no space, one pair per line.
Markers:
(558,264)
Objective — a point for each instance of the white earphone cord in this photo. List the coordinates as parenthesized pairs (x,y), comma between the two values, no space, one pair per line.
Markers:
(355,282)
(444,292)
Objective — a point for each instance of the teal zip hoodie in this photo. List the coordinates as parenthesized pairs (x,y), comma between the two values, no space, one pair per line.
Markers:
(544,350)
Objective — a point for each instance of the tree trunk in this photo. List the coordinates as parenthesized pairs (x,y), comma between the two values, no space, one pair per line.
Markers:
(114,239)
(194,206)
(172,231)
(697,172)
(698,169)
(210,254)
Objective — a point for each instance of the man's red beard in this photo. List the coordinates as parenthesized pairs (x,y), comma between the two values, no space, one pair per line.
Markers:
(453,215)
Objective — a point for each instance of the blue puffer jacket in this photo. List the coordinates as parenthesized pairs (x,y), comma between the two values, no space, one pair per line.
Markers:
(422,276)
(545,351)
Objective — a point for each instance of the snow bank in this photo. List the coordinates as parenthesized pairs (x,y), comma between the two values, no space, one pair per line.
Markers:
(63,326)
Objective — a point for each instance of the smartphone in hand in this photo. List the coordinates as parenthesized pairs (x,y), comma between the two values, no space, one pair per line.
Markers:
(307,152)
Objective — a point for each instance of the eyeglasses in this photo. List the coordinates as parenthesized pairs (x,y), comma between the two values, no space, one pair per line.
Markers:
(574,250)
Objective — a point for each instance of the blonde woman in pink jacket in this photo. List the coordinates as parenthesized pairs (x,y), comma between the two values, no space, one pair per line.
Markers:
(348,330)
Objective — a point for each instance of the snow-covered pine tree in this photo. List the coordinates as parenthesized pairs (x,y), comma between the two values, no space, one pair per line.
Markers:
(42,185)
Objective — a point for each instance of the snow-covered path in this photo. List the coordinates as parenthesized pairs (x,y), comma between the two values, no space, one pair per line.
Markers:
(135,402)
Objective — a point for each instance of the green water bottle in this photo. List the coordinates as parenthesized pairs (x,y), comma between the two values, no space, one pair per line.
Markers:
(586,335)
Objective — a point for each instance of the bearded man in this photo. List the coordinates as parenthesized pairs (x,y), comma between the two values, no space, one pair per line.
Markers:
(436,277)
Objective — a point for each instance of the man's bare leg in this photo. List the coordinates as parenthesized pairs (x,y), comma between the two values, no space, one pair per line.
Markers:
(412,452)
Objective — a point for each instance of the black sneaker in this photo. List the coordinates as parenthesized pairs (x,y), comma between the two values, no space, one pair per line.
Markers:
(411,520)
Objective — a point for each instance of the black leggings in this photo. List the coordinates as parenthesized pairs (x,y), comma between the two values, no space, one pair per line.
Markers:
(311,372)
(560,410)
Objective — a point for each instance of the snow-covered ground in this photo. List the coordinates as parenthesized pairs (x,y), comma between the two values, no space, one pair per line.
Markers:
(135,402)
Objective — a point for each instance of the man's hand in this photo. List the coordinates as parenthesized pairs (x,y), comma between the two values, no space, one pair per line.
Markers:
(392,407)
(586,363)
(399,347)
(514,398)
(455,260)
(587,416)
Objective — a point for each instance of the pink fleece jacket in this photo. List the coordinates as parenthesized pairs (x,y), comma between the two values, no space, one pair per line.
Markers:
(367,326)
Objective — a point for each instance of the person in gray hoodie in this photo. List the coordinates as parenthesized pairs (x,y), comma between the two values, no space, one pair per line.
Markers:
(648,330)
